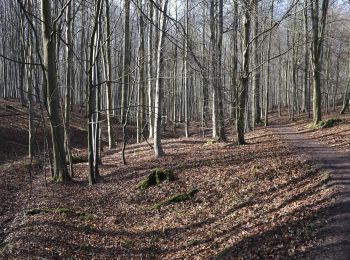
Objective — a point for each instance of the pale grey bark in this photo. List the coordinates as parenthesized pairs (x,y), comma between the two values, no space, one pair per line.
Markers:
(158,150)
(108,76)
(69,83)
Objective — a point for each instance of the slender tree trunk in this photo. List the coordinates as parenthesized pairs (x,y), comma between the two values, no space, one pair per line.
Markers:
(108,77)
(267,84)
(29,72)
(244,77)
(186,70)
(257,60)
(126,60)
(141,81)
(150,73)
(158,150)
(304,105)
(69,85)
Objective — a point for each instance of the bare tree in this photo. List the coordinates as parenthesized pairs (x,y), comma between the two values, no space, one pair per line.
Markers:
(56,123)
(126,60)
(244,77)
(158,150)
(318,32)
(108,75)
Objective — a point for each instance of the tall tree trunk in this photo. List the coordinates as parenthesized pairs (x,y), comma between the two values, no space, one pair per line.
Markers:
(267,85)
(186,70)
(126,60)
(216,29)
(213,67)
(69,84)
(221,123)
(150,73)
(141,81)
(158,150)
(244,77)
(318,30)
(92,95)
(304,105)
(29,72)
(346,94)
(49,50)
(257,59)
(108,76)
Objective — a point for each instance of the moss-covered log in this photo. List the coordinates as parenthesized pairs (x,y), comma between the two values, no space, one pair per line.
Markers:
(78,158)
(180,197)
(66,211)
(155,178)
(326,123)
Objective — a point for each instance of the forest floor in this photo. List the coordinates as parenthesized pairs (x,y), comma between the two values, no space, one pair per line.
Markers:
(268,199)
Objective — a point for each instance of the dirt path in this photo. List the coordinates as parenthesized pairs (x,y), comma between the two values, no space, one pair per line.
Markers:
(336,234)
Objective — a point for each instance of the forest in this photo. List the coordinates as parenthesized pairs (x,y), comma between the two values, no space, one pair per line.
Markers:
(181,129)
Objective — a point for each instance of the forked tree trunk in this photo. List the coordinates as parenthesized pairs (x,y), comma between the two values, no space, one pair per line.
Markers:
(92,96)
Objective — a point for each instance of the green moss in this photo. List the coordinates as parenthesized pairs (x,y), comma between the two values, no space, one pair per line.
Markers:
(62,210)
(176,198)
(48,210)
(78,158)
(325,123)
(155,178)
(85,216)
(210,142)
(326,178)
(127,243)
(5,248)
(236,200)
(192,242)
(65,211)
(256,167)
(224,254)
(31,212)
(86,228)
(57,179)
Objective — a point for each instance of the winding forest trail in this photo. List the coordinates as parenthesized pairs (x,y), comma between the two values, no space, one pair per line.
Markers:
(336,234)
